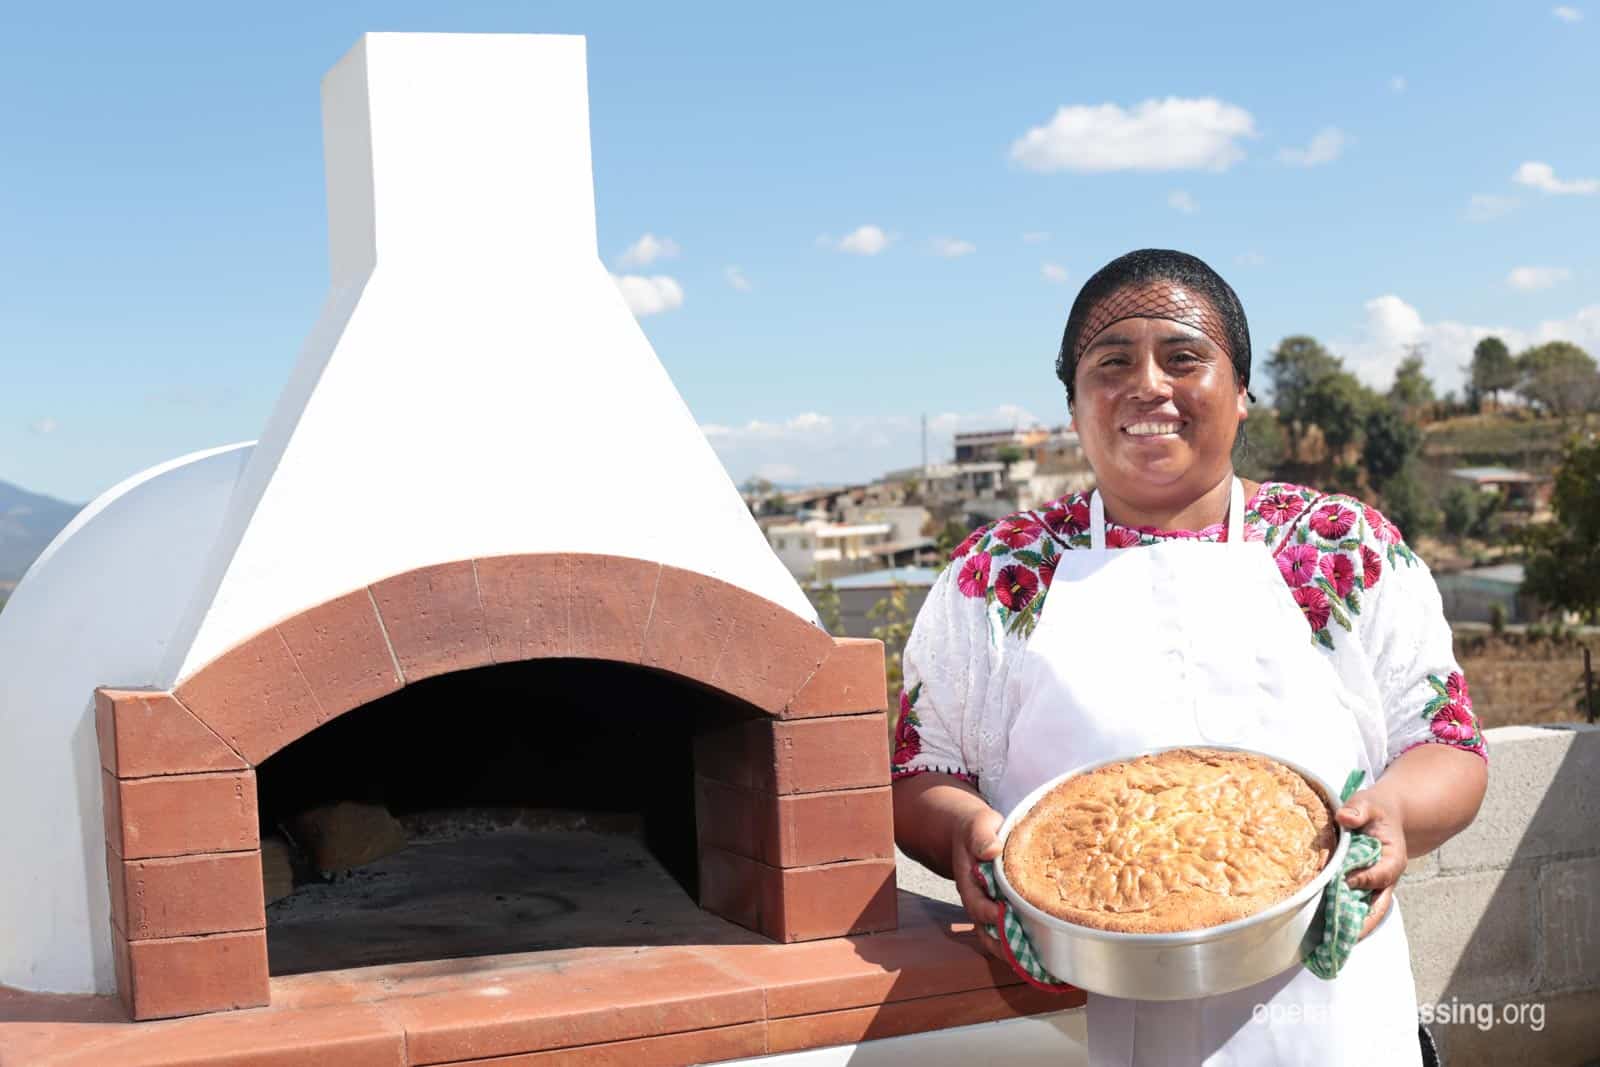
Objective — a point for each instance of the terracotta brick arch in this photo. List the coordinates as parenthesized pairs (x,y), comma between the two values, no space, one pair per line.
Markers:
(793,811)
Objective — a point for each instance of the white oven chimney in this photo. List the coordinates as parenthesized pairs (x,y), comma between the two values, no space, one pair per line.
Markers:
(476,385)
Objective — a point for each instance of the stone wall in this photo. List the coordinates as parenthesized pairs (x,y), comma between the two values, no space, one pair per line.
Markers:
(1504,919)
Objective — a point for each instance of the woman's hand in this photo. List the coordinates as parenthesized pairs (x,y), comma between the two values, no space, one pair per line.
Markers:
(974,840)
(1369,812)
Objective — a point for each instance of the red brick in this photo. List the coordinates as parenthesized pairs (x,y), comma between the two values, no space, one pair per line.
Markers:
(806,903)
(850,680)
(919,959)
(189,975)
(566,604)
(433,619)
(254,697)
(352,1035)
(735,887)
(147,732)
(187,895)
(524,606)
(186,814)
(342,652)
(736,820)
(812,755)
(582,1002)
(816,828)
(670,1050)
(909,1017)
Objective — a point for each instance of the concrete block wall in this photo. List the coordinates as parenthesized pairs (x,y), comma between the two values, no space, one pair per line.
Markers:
(1504,920)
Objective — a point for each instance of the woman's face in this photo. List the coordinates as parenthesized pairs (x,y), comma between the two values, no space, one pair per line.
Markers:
(1157,407)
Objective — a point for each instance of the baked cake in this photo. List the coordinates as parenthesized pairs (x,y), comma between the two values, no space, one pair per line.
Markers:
(1177,840)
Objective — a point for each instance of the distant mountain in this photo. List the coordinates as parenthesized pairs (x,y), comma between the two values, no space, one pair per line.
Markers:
(28,521)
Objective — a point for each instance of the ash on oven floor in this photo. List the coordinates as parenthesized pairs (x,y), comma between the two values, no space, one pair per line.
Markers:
(502,891)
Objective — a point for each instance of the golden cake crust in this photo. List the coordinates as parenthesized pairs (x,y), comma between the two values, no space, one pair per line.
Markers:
(1177,840)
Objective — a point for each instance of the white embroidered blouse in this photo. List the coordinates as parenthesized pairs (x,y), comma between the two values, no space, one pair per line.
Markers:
(1369,603)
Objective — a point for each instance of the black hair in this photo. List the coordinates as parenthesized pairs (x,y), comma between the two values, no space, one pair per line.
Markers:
(1149,265)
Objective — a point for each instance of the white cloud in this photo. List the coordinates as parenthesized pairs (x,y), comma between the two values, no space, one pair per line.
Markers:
(1325,147)
(43,426)
(1053,272)
(952,247)
(1170,134)
(1397,84)
(1537,277)
(1567,14)
(1542,176)
(646,250)
(648,295)
(737,279)
(812,448)
(866,240)
(1251,258)
(1392,324)
(1486,207)
(1035,237)
(1181,201)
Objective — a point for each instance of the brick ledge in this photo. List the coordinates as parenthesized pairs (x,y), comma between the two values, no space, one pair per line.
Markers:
(673,1004)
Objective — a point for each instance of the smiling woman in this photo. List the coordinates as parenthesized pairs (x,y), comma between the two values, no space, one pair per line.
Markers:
(1270,617)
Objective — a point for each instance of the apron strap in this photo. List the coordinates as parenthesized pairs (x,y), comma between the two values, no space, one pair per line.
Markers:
(1235,531)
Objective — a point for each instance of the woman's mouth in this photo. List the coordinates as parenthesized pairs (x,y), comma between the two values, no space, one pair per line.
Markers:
(1155,428)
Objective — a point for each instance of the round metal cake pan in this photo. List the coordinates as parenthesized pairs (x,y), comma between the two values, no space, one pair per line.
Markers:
(1186,964)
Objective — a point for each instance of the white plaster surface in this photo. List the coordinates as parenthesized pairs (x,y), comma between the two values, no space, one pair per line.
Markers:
(476,385)
(97,607)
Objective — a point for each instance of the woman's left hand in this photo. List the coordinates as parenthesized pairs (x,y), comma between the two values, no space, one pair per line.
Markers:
(1370,813)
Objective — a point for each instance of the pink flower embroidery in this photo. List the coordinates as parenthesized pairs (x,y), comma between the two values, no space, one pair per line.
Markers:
(1015,586)
(974,577)
(1047,571)
(1340,572)
(907,742)
(1455,687)
(1454,723)
(1385,530)
(1332,521)
(1252,532)
(1278,507)
(1371,567)
(1121,537)
(1069,520)
(972,538)
(1298,564)
(1314,602)
(1017,532)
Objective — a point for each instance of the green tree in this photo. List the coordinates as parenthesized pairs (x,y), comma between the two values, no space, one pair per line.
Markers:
(1412,389)
(1391,441)
(1460,506)
(893,618)
(1298,364)
(1559,377)
(1493,368)
(951,534)
(1562,557)
(1407,504)
(1339,404)
(1262,445)
(1008,454)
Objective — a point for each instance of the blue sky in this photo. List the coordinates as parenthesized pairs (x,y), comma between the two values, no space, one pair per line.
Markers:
(1359,172)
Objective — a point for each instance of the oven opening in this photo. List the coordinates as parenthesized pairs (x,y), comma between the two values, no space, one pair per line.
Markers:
(541,805)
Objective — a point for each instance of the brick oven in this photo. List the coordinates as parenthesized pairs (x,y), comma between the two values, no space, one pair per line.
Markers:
(480,529)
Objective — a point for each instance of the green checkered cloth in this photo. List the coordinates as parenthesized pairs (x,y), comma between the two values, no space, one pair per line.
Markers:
(1343,911)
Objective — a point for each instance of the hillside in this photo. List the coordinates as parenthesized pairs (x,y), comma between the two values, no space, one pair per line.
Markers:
(28,521)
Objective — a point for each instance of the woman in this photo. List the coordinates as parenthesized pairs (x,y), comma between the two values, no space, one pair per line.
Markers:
(1268,616)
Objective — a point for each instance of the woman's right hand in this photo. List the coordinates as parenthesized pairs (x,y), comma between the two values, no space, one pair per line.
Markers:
(975,839)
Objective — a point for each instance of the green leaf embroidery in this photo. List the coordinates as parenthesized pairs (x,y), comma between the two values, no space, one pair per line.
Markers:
(1300,536)
(1028,556)
(1350,544)
(1325,639)
(1354,601)
(1338,613)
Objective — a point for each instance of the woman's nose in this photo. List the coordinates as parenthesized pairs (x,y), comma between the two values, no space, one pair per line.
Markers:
(1151,379)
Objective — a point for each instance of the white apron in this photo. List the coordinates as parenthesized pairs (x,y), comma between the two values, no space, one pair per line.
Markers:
(1190,642)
